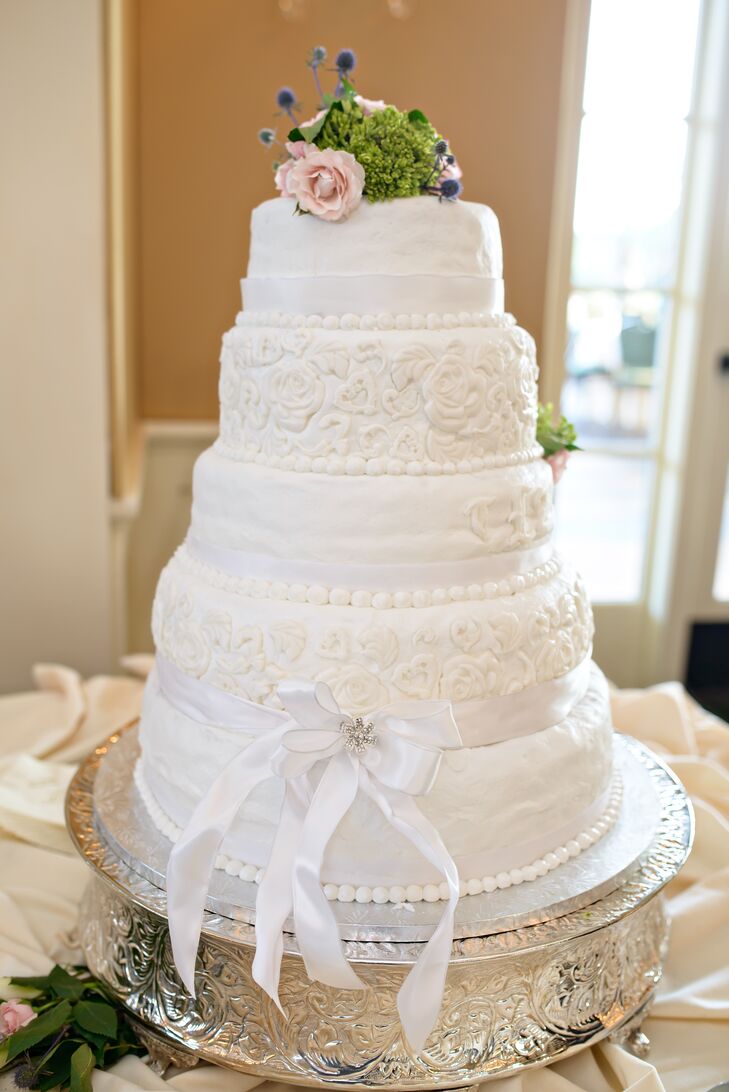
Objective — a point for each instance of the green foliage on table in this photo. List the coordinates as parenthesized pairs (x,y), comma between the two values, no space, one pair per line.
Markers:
(78,1027)
(554,438)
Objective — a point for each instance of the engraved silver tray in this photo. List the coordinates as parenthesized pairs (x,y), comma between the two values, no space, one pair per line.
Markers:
(537,971)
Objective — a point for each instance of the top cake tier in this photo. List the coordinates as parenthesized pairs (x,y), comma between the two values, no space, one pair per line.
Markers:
(419,255)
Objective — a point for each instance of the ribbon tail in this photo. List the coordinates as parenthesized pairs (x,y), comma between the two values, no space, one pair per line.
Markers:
(193,856)
(316,928)
(421,995)
(274,902)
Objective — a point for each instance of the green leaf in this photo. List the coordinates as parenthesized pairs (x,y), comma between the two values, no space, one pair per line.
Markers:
(349,90)
(417,117)
(53,1066)
(99,1044)
(44,1025)
(309,132)
(554,438)
(296,134)
(36,982)
(64,984)
(82,1066)
(21,987)
(97,1017)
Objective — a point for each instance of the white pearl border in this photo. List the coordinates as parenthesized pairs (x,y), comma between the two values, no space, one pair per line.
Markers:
(410,893)
(358,464)
(318,595)
(382,321)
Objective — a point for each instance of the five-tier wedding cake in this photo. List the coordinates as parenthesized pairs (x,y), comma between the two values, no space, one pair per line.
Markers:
(368,653)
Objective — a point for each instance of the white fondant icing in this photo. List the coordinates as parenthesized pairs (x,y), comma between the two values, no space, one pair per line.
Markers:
(382,320)
(242,574)
(577,752)
(419,235)
(370,520)
(311,399)
(456,650)
(397,893)
(365,435)
(372,294)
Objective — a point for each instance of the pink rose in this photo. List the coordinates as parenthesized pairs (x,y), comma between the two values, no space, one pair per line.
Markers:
(326,183)
(297,150)
(369,106)
(14,1015)
(281,176)
(558,463)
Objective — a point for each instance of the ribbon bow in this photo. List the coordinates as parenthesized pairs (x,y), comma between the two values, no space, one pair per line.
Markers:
(393,757)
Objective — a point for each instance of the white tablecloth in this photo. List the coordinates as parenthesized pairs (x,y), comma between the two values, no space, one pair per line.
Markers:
(43,734)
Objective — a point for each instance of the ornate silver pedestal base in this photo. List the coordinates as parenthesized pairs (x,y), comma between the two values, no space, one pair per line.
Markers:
(517,997)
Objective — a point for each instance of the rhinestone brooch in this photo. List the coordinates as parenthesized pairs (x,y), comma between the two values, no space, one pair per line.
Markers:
(358,733)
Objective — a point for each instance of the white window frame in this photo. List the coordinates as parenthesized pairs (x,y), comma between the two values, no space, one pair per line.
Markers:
(646,640)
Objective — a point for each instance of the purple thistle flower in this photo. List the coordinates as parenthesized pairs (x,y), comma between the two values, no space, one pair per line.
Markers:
(346,61)
(26,1076)
(267,137)
(450,188)
(440,147)
(286,100)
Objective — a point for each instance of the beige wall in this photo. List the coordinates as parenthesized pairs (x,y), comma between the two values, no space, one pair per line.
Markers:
(55,584)
(486,71)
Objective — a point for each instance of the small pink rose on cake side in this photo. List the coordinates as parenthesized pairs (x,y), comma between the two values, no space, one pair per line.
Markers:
(558,463)
(325,182)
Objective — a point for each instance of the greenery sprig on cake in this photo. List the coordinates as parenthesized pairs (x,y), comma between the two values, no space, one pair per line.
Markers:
(355,147)
(558,440)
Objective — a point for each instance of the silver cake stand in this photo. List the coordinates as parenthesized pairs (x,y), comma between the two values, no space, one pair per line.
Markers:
(537,971)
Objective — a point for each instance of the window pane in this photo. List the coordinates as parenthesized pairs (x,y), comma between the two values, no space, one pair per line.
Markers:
(640,56)
(602,505)
(629,184)
(721,573)
(613,364)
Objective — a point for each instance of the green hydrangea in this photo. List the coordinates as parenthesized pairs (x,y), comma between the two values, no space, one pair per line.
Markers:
(395,149)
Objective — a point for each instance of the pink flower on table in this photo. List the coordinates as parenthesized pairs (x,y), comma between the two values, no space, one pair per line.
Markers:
(297,150)
(14,1015)
(369,106)
(326,183)
(558,463)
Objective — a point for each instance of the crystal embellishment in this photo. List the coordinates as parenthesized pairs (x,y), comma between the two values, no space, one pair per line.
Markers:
(358,733)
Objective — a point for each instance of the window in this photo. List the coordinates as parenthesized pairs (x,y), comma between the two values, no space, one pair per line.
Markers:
(624,281)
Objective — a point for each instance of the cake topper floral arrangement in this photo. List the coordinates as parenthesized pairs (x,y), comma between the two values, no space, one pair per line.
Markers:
(355,147)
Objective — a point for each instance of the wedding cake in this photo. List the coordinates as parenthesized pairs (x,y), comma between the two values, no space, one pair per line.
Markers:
(368,653)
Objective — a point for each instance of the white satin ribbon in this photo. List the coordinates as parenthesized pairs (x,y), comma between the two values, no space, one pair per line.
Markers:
(371,294)
(480,723)
(399,765)
(391,578)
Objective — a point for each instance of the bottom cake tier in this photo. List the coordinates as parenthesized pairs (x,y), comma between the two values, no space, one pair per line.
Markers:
(507,813)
